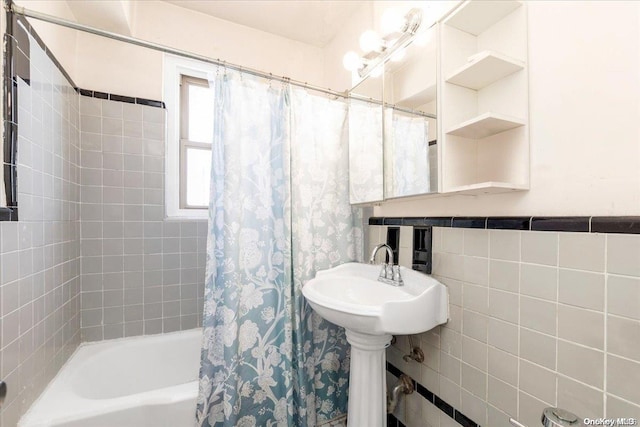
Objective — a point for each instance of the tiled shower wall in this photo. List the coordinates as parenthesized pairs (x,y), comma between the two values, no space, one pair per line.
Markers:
(39,254)
(537,319)
(141,273)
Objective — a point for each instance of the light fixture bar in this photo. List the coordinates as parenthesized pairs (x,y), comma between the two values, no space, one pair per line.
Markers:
(413,19)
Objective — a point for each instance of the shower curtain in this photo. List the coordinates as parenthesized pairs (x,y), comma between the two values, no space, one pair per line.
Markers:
(279,211)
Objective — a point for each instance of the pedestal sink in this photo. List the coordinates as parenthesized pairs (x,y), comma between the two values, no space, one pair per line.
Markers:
(371,312)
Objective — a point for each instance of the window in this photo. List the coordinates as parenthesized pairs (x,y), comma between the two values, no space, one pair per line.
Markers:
(189,100)
(196,135)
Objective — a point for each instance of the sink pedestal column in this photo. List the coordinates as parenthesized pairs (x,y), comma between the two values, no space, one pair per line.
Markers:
(367,380)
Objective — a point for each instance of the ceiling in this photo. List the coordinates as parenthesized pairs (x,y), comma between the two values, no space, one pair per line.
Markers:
(314,22)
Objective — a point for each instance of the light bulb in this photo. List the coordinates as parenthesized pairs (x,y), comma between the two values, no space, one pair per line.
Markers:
(399,55)
(352,61)
(393,20)
(370,41)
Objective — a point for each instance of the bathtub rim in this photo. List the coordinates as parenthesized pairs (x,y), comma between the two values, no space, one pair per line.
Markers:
(33,417)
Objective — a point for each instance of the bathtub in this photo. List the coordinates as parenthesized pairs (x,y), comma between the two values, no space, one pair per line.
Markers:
(149,381)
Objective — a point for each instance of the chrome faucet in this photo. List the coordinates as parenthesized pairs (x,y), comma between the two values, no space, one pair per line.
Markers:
(390,274)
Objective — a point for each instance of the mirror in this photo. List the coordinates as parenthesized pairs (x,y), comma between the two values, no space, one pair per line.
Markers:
(366,142)
(411,128)
(393,150)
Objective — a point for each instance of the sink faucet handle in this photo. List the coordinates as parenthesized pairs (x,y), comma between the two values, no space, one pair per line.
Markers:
(396,274)
(389,271)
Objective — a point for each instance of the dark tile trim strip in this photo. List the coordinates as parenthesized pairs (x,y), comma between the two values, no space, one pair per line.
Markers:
(376,221)
(582,224)
(413,221)
(443,406)
(424,392)
(566,223)
(14,63)
(469,222)
(392,421)
(96,94)
(6,213)
(121,98)
(433,398)
(508,223)
(393,370)
(616,224)
(463,420)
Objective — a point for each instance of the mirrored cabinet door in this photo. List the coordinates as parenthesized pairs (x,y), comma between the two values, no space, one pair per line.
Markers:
(410,120)
(366,142)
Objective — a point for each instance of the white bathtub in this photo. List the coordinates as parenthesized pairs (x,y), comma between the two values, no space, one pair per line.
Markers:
(147,381)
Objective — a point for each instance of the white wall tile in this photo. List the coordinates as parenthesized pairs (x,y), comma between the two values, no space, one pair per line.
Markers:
(623,254)
(582,251)
(540,247)
(504,245)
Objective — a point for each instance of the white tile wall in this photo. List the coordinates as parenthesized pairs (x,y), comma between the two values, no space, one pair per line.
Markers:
(39,255)
(553,320)
(141,274)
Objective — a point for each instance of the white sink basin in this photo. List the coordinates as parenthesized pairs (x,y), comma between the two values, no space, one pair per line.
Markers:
(351,296)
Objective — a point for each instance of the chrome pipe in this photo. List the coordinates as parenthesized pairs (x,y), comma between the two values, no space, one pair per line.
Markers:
(404,386)
(392,106)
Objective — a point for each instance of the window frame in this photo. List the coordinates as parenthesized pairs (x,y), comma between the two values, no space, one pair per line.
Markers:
(174,68)
(185,142)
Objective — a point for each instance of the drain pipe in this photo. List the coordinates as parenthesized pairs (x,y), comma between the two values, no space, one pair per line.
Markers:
(404,386)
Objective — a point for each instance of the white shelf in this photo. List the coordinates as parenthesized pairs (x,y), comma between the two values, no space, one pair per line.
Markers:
(486,67)
(474,16)
(485,125)
(489,187)
(418,99)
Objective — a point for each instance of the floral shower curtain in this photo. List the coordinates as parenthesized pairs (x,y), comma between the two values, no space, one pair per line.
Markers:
(279,212)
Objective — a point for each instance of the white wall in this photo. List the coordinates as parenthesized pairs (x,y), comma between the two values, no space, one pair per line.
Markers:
(584,93)
(584,118)
(61,41)
(115,67)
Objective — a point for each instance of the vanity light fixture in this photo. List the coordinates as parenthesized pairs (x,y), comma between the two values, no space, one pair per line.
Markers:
(380,49)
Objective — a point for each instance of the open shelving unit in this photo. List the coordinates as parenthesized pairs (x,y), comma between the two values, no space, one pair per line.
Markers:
(483,98)
(485,125)
(484,69)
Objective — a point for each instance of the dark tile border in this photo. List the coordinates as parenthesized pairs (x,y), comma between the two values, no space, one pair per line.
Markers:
(508,223)
(6,213)
(392,421)
(433,398)
(16,59)
(616,224)
(580,224)
(21,21)
(567,223)
(470,222)
(121,98)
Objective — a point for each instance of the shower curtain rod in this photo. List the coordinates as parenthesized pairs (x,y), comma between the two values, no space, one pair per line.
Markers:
(18,10)
(392,106)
